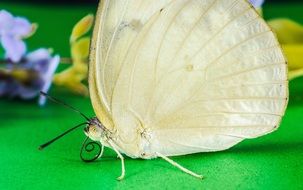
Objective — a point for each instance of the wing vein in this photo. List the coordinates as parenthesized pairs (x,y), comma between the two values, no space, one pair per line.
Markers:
(254,84)
(191,146)
(219,31)
(233,74)
(163,37)
(157,58)
(128,50)
(212,127)
(235,46)
(184,40)
(237,60)
(245,71)
(131,80)
(110,47)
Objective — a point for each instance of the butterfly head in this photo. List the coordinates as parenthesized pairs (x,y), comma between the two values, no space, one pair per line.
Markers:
(94,130)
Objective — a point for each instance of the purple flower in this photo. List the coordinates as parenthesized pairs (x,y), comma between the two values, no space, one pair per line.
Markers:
(12,30)
(31,75)
(257,3)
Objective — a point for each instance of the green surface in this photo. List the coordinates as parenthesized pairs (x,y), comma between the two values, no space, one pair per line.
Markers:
(274,161)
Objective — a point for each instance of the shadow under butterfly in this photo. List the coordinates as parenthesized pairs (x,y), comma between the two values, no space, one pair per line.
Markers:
(177,77)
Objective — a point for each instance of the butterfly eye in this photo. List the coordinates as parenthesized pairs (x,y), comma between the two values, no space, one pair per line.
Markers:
(93,129)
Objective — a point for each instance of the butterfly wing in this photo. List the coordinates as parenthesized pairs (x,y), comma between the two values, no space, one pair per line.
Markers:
(117,24)
(197,75)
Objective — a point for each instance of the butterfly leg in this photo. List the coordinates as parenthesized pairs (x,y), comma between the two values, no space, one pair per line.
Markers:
(122,161)
(178,166)
(101,153)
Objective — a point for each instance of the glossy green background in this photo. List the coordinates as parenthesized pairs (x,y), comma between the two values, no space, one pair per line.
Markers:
(274,161)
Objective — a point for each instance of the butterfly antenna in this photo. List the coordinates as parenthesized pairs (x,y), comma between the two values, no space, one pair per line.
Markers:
(41,147)
(63,104)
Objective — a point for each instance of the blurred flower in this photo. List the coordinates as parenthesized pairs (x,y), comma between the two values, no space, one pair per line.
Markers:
(290,35)
(257,3)
(82,27)
(287,31)
(12,31)
(73,76)
(294,55)
(23,75)
(28,77)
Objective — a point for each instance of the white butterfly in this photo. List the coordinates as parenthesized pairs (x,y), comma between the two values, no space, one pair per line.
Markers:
(176,77)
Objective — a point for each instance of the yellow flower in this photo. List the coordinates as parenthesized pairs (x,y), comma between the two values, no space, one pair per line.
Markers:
(290,35)
(82,27)
(73,76)
(294,54)
(80,49)
(288,31)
